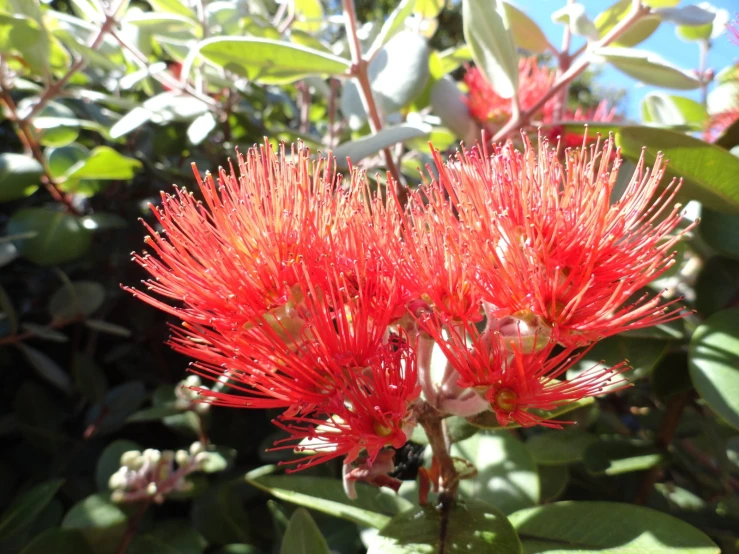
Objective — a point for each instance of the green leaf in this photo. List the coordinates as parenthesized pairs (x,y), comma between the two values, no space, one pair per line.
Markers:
(172,6)
(637,33)
(19,176)
(89,378)
(219,515)
(270,61)
(671,376)
(201,127)
(107,328)
(454,58)
(717,285)
(487,420)
(25,509)
(488,34)
(506,473)
(526,33)
(648,68)
(693,16)
(79,300)
(469,526)
(105,163)
(573,15)
(670,110)
(99,520)
(61,159)
(714,363)
(614,456)
(59,237)
(155,413)
(394,23)
(164,24)
(373,507)
(554,481)
(590,527)
(366,146)
(110,461)
(24,35)
(448,102)
(58,541)
(309,15)
(45,333)
(429,9)
(47,368)
(171,536)
(708,172)
(91,56)
(642,354)
(559,447)
(303,536)
(119,403)
(720,231)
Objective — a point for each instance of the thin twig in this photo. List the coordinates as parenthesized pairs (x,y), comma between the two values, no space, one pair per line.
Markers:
(360,72)
(133,525)
(637,12)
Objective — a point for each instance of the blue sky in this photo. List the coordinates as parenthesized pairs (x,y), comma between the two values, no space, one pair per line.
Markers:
(663,42)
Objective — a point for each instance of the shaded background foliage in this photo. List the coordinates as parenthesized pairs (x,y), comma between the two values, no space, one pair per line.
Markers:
(86,374)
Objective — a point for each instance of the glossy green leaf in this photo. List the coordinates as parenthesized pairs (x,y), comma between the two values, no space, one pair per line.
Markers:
(471,526)
(76,300)
(454,58)
(670,110)
(708,172)
(303,536)
(58,237)
(47,368)
(714,363)
(366,146)
(720,231)
(219,459)
(554,481)
(614,456)
(171,536)
(219,515)
(637,33)
(559,447)
(526,33)
(488,34)
(591,527)
(448,103)
(201,127)
(172,6)
(24,35)
(671,375)
(717,285)
(309,16)
(99,520)
(506,473)
(270,61)
(487,420)
(19,176)
(58,541)
(91,56)
(648,68)
(429,9)
(89,378)
(105,163)
(372,507)
(25,509)
(395,23)
(119,403)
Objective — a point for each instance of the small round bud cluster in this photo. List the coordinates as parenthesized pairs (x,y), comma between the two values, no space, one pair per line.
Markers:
(153,474)
(189,399)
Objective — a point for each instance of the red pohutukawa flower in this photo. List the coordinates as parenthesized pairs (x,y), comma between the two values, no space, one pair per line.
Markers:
(534,80)
(300,293)
(514,383)
(554,249)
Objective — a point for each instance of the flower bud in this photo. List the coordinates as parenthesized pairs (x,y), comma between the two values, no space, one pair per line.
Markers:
(182,457)
(132,459)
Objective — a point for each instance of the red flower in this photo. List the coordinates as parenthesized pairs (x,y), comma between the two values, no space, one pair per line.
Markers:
(372,410)
(487,107)
(534,81)
(733,28)
(515,383)
(552,250)
(421,243)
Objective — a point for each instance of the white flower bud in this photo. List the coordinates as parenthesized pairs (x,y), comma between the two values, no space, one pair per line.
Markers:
(132,459)
(119,480)
(182,457)
(196,448)
(118,496)
(152,456)
(151,489)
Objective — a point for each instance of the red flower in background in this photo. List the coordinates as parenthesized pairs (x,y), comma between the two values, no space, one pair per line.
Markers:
(553,250)
(534,80)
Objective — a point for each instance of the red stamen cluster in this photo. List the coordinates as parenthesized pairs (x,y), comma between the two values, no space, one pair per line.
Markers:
(300,293)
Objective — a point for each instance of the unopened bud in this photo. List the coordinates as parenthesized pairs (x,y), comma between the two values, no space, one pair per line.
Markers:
(182,457)
(131,459)
(196,448)
(119,479)
(151,489)
(118,496)
(152,456)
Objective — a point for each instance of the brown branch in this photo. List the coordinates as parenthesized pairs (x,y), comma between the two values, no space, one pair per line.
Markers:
(360,72)
(133,525)
(637,12)
(432,422)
